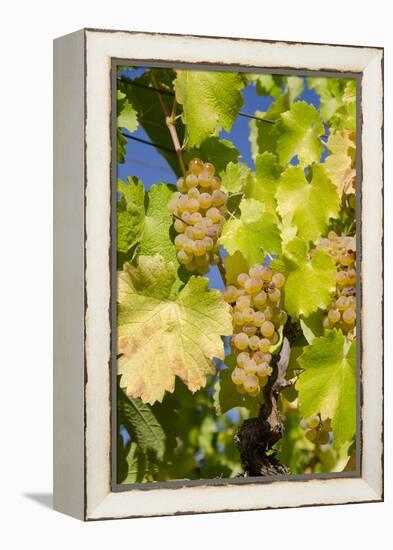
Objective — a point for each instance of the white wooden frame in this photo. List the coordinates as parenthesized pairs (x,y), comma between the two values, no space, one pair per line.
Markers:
(82,392)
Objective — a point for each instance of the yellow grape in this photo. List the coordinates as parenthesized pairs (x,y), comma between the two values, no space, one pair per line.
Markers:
(195,166)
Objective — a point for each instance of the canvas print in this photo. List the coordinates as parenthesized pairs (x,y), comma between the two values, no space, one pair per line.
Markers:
(235,235)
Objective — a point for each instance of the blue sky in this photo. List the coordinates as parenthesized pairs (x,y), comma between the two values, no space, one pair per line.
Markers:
(150,167)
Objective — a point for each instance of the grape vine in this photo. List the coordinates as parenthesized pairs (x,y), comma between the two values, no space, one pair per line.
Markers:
(237,282)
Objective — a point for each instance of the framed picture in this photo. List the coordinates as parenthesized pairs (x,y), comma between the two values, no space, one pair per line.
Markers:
(218,274)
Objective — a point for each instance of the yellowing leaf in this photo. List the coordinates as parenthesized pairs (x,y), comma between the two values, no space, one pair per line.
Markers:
(307,206)
(340,164)
(161,335)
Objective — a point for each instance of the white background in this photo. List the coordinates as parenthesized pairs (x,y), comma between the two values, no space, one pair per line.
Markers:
(27,29)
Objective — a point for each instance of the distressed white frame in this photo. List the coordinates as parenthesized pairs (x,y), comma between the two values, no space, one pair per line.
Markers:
(82,414)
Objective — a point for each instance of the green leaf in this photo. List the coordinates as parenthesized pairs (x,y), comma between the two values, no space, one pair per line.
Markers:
(136,465)
(253,234)
(264,186)
(217,151)
(161,336)
(150,114)
(312,325)
(299,132)
(330,91)
(158,222)
(268,84)
(226,397)
(307,206)
(143,426)
(310,286)
(121,143)
(211,101)
(328,383)
(263,135)
(130,213)
(126,114)
(234,265)
(294,87)
(235,177)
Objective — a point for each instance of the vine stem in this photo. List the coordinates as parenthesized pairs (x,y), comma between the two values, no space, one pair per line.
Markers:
(169,119)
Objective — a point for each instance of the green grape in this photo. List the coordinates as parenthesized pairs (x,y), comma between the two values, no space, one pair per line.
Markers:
(349,316)
(267,274)
(191,181)
(199,248)
(248,315)
(253,286)
(188,246)
(341,278)
(242,303)
(237,376)
(254,343)
(267,329)
(218,198)
(242,278)
(278,279)
(180,241)
(242,358)
(208,167)
(215,183)
(191,266)
(274,295)
(230,294)
(251,383)
(334,316)
(202,261)
(249,330)
(342,303)
(195,166)
(260,299)
(183,257)
(313,421)
(241,341)
(258,357)
(195,217)
(263,369)
(204,180)
(181,185)
(209,243)
(256,271)
(205,201)
(250,367)
(192,205)
(193,193)
(268,313)
(238,318)
(264,345)
(199,231)
(214,214)
(179,226)
(182,203)
(259,318)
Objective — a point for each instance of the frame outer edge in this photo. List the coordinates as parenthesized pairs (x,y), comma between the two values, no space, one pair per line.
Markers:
(68,289)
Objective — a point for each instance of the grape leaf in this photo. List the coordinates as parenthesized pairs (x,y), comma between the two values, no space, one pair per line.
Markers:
(255,233)
(126,114)
(234,265)
(299,131)
(142,425)
(130,213)
(217,151)
(121,143)
(264,186)
(226,396)
(330,91)
(310,282)
(235,177)
(307,206)
(328,383)
(263,133)
(161,335)
(294,87)
(340,164)
(268,84)
(211,101)
(158,222)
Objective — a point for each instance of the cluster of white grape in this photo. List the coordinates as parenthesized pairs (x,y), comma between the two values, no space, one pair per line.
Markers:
(257,316)
(317,430)
(341,313)
(199,210)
